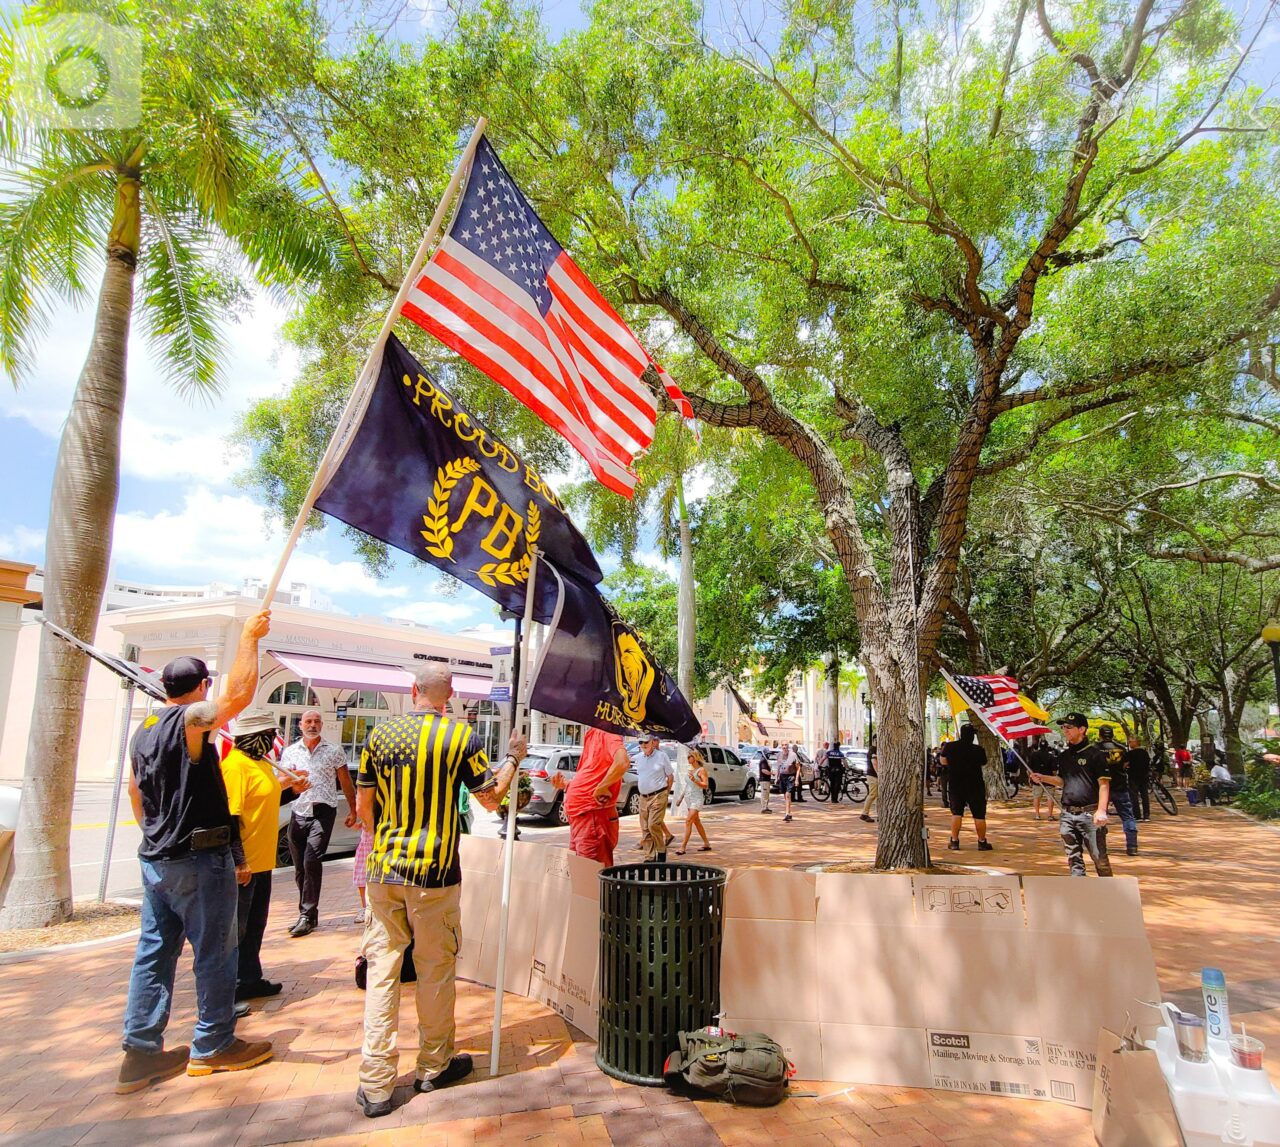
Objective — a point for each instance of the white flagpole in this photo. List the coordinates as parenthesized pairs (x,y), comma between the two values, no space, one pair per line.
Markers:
(359,398)
(513,808)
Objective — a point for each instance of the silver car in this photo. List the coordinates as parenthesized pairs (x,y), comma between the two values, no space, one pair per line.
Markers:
(541,764)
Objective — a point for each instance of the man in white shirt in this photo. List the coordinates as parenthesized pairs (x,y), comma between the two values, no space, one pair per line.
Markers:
(324,764)
(788,775)
(1222,785)
(654,776)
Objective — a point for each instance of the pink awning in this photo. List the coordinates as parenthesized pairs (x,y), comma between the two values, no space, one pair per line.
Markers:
(335,673)
(471,688)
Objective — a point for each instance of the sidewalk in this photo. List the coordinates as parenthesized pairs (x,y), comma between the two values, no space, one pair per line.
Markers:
(1209,880)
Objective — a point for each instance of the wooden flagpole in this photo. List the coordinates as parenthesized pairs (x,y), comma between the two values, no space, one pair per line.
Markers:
(520,712)
(359,398)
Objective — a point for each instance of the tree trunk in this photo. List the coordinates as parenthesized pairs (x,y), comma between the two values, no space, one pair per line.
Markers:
(77,553)
(685,618)
(993,770)
(830,729)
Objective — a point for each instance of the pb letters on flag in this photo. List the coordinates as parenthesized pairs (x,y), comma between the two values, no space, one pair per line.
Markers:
(423,475)
(597,671)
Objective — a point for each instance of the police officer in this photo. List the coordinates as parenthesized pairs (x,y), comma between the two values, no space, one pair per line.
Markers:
(835,771)
(1085,782)
(1120,795)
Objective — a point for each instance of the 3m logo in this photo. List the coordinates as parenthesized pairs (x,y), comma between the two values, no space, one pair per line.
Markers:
(948,1039)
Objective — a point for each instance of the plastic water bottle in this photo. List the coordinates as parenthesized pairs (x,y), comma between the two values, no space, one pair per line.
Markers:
(1217,1015)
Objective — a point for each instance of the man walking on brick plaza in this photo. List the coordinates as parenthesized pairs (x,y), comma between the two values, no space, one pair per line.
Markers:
(410,772)
(655,775)
(1086,791)
(311,818)
(591,798)
(192,859)
(1138,769)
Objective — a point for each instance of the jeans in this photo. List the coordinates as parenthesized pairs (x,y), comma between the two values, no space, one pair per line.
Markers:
(1124,809)
(1080,833)
(191,897)
(308,841)
(251,923)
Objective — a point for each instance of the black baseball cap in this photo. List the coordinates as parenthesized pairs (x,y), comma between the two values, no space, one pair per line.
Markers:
(1077,719)
(183,674)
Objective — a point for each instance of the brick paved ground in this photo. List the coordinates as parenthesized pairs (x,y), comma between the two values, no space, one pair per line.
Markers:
(1209,883)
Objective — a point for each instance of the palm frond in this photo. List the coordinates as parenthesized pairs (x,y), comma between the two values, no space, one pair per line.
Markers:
(181,295)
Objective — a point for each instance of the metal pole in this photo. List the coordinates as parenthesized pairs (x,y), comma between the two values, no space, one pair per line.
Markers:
(115,793)
(519,718)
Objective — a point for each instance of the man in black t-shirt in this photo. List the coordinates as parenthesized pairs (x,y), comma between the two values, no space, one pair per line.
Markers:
(1138,766)
(1085,781)
(1040,760)
(191,860)
(966,785)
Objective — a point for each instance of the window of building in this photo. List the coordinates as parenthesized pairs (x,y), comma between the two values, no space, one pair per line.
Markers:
(293,693)
(365,699)
(366,710)
(798,709)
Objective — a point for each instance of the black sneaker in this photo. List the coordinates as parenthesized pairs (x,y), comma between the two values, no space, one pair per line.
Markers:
(459,1068)
(868,819)
(786,818)
(954,844)
(371,1108)
(257,990)
(984,846)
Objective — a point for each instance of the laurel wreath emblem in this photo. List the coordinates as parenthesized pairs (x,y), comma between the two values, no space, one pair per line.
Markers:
(436,519)
(517,571)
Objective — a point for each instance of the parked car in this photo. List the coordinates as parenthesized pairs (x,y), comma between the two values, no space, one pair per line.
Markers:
(541,764)
(727,773)
(855,760)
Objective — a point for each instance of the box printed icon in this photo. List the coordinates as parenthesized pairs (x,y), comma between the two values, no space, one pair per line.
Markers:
(76,72)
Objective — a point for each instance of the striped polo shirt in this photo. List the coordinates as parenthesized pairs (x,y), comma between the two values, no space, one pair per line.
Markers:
(415,763)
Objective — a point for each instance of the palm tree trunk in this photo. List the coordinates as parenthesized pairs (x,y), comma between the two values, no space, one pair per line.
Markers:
(830,729)
(685,620)
(77,552)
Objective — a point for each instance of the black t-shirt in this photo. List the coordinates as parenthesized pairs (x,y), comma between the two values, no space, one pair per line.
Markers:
(1138,762)
(1041,760)
(1081,767)
(965,762)
(179,795)
(1115,757)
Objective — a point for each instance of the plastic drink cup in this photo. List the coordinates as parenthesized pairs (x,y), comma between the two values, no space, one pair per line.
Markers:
(1192,1042)
(1246,1051)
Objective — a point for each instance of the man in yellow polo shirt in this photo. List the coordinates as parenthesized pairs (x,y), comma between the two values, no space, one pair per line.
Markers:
(253,796)
(407,797)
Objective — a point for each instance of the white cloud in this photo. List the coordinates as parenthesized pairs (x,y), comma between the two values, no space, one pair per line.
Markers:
(437,614)
(490,633)
(22,544)
(164,434)
(654,560)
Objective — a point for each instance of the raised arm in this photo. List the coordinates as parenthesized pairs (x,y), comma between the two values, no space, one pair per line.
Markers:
(242,683)
(490,797)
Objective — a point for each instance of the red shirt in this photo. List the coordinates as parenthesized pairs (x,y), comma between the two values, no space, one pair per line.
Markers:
(598,751)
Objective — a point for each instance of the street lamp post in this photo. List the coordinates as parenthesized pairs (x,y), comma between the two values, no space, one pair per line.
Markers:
(1271,635)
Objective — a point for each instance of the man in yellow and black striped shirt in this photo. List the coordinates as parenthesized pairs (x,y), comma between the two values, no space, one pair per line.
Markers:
(407,797)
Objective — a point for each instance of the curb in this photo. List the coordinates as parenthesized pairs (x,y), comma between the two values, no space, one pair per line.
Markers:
(80,945)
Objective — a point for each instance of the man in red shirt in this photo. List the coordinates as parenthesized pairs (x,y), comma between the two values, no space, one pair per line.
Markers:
(591,798)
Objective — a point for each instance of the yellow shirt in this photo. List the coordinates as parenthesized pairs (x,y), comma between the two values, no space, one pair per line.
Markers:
(253,794)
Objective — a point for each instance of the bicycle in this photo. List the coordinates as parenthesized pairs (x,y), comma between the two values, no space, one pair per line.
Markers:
(855,786)
(1164,798)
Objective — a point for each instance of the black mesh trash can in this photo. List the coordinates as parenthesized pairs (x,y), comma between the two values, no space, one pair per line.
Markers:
(661,928)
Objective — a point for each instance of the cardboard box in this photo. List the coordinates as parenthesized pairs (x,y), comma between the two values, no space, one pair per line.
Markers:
(1009,1065)
(565,963)
(861,1053)
(769,971)
(770,894)
(975,903)
(854,898)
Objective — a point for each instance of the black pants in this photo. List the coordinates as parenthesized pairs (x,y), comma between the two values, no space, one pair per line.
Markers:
(944,787)
(251,922)
(835,777)
(308,841)
(1140,795)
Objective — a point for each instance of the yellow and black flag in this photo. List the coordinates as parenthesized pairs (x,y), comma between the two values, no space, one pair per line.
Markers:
(423,475)
(598,671)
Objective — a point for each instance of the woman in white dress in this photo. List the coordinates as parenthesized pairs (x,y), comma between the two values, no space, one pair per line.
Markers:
(691,781)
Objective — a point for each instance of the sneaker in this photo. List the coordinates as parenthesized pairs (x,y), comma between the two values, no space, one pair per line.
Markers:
(459,1068)
(372,1108)
(241,1010)
(984,846)
(143,1068)
(955,844)
(258,989)
(304,927)
(1132,851)
(239,1055)
(786,819)
(768,810)
(863,816)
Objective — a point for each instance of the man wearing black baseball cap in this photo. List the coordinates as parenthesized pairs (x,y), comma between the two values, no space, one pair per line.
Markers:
(1085,780)
(192,860)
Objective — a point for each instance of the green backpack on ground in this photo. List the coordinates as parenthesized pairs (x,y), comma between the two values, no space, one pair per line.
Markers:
(748,1068)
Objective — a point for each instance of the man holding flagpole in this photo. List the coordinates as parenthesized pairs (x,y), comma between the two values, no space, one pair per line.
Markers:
(407,787)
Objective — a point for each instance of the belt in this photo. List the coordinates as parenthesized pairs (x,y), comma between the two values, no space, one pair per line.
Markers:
(1079,808)
(655,792)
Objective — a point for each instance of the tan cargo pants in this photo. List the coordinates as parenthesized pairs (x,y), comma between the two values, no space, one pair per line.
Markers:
(432,917)
(653,826)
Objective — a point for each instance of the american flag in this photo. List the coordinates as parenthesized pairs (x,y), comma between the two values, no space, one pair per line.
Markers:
(995,700)
(504,294)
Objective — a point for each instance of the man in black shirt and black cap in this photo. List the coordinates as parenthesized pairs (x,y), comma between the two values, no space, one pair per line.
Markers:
(965,759)
(1138,766)
(1085,781)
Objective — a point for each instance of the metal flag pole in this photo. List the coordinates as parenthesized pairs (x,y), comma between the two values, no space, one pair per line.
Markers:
(130,689)
(359,398)
(519,720)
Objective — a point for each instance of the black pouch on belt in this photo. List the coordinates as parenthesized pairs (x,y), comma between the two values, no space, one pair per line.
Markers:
(203,839)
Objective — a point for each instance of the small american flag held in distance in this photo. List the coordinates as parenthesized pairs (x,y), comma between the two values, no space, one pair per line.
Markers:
(996,698)
(502,293)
